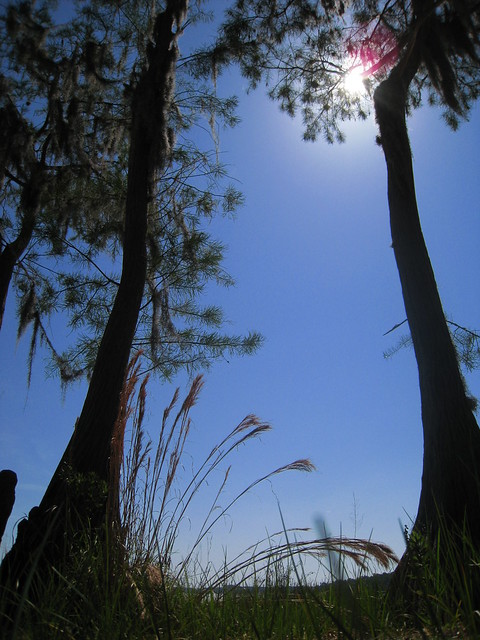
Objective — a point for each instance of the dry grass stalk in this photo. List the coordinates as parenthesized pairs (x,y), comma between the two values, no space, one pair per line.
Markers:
(153,507)
(150,513)
(147,482)
(278,549)
(128,398)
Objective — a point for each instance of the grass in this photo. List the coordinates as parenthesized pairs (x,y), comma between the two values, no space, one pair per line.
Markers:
(139,587)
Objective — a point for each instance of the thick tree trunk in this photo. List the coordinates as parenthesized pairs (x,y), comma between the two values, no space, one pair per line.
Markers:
(88,452)
(451,460)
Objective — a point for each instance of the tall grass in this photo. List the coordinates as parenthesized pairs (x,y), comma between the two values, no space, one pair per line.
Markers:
(154,503)
(148,590)
(441,590)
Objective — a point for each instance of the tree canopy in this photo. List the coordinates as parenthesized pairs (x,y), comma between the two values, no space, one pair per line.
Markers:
(67,78)
(304,50)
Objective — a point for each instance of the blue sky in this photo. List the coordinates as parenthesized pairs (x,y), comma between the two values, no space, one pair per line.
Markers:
(310,252)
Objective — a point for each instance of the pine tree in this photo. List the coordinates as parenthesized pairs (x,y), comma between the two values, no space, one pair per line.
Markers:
(139,202)
(66,113)
(407,52)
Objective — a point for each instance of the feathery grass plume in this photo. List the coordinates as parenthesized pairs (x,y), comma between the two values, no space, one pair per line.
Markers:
(151,512)
(154,503)
(153,593)
(279,548)
(148,479)
(128,398)
(299,465)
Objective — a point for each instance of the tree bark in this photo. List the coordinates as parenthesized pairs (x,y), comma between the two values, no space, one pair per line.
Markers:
(89,449)
(450,481)
(13,251)
(8,482)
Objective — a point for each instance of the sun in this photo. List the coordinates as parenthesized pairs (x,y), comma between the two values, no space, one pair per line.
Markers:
(353,81)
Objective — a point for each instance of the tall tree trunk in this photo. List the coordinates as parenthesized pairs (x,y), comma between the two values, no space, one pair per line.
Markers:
(451,459)
(88,452)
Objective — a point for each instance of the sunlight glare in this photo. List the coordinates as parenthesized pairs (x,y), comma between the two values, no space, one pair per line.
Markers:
(353,81)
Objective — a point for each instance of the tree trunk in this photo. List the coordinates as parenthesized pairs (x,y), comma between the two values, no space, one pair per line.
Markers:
(88,453)
(8,482)
(13,251)
(450,483)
